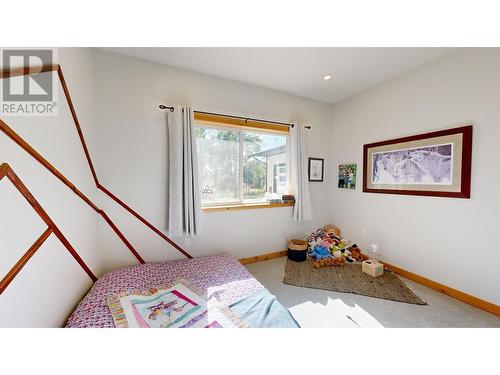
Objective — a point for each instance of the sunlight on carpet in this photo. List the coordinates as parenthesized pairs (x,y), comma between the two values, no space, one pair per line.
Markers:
(340,314)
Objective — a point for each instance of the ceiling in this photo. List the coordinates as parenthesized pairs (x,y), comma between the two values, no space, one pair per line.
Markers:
(296,71)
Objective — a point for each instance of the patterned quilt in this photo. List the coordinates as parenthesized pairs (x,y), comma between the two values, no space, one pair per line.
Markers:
(179,306)
(221,278)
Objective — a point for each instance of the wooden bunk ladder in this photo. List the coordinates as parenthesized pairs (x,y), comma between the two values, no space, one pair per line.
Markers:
(6,170)
(37,156)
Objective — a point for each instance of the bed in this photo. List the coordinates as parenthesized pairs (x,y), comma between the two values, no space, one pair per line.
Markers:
(221,277)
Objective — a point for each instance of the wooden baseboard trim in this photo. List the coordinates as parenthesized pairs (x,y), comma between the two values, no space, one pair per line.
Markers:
(464,297)
(260,258)
(449,291)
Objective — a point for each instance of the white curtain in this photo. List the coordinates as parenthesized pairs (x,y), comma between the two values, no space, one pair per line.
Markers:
(298,174)
(184,204)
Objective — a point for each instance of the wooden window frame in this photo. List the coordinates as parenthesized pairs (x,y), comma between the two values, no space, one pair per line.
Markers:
(241,125)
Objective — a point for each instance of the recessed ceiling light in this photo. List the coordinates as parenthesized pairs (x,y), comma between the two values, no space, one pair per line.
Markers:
(327,77)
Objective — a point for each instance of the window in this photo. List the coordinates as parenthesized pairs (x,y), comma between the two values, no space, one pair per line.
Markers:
(240,163)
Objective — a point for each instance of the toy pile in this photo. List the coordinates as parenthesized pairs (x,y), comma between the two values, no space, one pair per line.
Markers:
(327,246)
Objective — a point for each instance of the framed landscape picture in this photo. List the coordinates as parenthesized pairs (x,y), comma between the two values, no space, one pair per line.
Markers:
(347,176)
(435,164)
(316,169)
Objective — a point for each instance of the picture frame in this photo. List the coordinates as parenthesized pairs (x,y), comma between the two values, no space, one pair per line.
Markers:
(316,169)
(430,164)
(347,176)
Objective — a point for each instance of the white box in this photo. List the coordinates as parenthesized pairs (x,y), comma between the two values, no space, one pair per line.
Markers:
(372,267)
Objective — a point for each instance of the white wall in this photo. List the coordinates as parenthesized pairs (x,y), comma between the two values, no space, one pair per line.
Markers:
(51,283)
(132,160)
(116,97)
(452,241)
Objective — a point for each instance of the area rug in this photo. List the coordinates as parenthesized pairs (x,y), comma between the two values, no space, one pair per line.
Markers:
(349,279)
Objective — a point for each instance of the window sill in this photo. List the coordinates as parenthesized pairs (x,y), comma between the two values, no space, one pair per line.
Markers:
(248,206)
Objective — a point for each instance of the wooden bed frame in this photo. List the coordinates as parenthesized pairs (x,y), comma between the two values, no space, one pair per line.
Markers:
(6,170)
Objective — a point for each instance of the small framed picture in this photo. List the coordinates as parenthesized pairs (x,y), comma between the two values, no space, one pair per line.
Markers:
(316,169)
(347,176)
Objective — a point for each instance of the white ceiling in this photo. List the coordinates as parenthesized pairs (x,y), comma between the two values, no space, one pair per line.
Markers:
(296,71)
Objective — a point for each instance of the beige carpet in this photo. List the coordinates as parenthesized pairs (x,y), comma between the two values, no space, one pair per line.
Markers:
(349,279)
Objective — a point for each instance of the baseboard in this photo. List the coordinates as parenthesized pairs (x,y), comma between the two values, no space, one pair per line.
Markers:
(449,291)
(260,258)
(464,297)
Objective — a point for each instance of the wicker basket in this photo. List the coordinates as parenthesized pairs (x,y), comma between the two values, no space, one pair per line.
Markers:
(297,250)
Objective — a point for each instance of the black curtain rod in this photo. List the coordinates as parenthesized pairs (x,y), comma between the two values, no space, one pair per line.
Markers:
(171,109)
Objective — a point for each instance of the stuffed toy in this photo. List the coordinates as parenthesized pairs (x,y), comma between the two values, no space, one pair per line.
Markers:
(319,233)
(356,253)
(343,253)
(331,231)
(320,252)
(329,262)
(314,239)
(326,242)
(311,237)
(333,237)
(329,243)
(312,244)
(348,256)
(335,241)
(336,252)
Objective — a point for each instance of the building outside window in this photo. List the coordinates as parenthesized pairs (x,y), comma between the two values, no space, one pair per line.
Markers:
(241,165)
